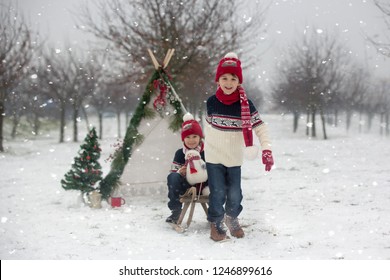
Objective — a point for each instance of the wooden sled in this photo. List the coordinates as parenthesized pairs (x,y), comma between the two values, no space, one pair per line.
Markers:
(191,198)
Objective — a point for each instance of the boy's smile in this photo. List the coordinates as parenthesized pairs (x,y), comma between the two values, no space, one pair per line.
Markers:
(192,141)
(228,83)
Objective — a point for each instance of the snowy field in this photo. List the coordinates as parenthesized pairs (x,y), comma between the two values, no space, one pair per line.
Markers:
(324,200)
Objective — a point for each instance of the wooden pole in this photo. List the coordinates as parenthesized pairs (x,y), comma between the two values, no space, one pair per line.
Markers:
(168,57)
(154,60)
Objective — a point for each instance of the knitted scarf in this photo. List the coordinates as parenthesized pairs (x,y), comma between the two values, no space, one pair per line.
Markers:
(199,148)
(191,160)
(239,94)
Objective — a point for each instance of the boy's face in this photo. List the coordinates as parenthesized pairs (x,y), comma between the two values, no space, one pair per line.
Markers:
(228,83)
(192,141)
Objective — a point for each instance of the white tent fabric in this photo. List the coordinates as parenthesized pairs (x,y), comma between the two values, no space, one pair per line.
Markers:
(149,165)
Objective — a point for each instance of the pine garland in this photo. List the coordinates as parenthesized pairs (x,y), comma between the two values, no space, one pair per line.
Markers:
(133,137)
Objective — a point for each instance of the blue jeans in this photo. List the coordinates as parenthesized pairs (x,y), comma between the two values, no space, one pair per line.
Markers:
(225,190)
(177,185)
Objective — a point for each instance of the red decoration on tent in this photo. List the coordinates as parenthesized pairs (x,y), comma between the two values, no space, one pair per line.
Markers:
(160,102)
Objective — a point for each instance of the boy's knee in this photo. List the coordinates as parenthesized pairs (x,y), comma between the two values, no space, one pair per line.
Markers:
(174,177)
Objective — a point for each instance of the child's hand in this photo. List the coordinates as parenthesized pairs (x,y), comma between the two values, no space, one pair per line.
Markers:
(182,171)
(268,160)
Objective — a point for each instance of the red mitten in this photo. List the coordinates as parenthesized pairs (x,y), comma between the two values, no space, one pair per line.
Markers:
(268,160)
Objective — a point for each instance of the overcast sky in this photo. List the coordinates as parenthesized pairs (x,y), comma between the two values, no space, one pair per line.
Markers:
(352,19)
(286,20)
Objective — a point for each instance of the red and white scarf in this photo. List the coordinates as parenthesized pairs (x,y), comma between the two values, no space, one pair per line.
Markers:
(198,148)
(190,161)
(239,94)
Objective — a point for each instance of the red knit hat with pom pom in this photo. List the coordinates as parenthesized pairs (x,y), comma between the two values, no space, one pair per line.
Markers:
(230,64)
(190,126)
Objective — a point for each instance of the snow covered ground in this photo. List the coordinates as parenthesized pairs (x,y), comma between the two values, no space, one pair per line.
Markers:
(323,200)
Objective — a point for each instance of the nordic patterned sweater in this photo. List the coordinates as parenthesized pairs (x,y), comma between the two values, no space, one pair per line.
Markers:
(224,141)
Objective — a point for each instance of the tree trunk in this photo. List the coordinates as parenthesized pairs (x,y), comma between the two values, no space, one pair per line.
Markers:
(36,124)
(348,121)
(313,128)
(100,125)
(118,119)
(15,123)
(387,124)
(336,117)
(381,123)
(370,117)
(86,117)
(307,123)
(62,121)
(1,121)
(75,120)
(323,125)
(295,124)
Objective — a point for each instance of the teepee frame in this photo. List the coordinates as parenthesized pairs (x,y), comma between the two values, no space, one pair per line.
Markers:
(164,65)
(132,136)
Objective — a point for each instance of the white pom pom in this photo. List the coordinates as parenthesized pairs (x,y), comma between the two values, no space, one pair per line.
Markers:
(206,191)
(251,152)
(231,55)
(188,117)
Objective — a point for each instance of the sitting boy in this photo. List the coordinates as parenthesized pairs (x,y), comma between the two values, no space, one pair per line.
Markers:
(187,170)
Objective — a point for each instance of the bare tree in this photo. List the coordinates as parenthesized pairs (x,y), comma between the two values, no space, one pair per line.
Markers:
(383,45)
(100,100)
(120,99)
(289,93)
(15,108)
(37,100)
(200,31)
(355,91)
(82,84)
(100,96)
(384,107)
(56,77)
(26,100)
(16,51)
(311,77)
(69,81)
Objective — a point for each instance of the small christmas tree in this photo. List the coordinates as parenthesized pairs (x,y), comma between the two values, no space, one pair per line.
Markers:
(86,169)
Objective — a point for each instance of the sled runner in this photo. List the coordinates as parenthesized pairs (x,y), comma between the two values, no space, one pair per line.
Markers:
(190,198)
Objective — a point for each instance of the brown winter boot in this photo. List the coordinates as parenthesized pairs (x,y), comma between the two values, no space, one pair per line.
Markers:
(217,233)
(234,227)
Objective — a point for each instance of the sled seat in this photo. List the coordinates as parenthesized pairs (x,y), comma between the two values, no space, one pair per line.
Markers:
(191,198)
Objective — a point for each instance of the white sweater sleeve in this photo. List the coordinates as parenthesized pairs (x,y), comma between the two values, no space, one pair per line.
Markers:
(261,132)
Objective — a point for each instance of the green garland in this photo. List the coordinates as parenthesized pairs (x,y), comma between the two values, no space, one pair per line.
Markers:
(133,137)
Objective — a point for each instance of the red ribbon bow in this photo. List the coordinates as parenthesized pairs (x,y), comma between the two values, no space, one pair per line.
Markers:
(160,102)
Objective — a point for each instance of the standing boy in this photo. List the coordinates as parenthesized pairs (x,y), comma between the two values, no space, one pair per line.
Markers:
(231,118)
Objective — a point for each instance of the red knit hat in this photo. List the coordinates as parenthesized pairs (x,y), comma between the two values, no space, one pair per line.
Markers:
(190,126)
(230,64)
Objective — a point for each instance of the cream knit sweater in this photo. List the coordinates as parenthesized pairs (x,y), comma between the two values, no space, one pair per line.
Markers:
(224,142)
